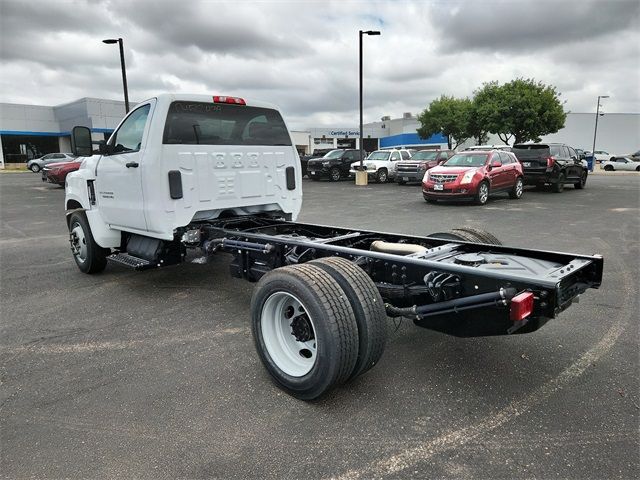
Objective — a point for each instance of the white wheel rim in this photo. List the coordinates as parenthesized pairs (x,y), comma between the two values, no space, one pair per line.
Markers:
(484,193)
(519,188)
(288,334)
(78,243)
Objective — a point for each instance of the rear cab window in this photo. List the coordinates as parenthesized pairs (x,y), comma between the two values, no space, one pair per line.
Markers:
(200,123)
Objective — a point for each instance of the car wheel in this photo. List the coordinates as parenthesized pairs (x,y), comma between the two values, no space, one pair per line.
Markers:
(583,181)
(483,193)
(334,174)
(608,168)
(518,189)
(558,187)
(638,169)
(382,176)
(304,330)
(368,308)
(88,255)
(35,168)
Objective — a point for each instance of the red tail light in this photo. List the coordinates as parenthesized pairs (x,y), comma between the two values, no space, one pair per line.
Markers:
(521,306)
(550,162)
(232,100)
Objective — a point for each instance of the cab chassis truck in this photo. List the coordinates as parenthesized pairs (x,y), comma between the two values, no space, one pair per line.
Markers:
(190,176)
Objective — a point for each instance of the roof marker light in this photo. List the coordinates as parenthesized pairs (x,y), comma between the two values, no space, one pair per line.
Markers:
(230,100)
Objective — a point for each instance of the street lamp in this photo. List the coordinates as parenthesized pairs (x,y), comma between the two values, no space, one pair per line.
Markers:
(361,175)
(595,132)
(111,41)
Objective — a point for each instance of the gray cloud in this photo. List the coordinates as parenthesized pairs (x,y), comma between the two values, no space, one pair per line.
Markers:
(303,56)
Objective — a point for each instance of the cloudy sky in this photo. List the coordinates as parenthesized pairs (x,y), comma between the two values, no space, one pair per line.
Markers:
(303,55)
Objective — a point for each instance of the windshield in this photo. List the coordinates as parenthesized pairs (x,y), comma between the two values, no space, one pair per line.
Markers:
(378,155)
(425,155)
(334,154)
(472,160)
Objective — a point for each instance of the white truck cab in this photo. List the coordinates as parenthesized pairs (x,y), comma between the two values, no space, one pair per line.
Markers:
(175,159)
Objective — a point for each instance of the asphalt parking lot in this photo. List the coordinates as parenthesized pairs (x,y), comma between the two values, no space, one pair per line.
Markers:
(154,374)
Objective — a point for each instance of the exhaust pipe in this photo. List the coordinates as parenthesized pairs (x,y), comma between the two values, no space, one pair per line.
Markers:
(397,248)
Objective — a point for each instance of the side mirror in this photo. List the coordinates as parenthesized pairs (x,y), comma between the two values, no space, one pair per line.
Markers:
(81,145)
(496,163)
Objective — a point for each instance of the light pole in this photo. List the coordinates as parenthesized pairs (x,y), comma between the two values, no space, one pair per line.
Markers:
(124,71)
(361,175)
(595,132)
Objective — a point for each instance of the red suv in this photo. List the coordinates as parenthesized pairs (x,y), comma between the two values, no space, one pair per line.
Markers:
(474,175)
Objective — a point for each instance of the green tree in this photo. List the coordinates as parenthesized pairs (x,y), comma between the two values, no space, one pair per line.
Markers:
(522,109)
(446,115)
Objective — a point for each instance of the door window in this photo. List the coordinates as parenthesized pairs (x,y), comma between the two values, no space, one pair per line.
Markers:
(395,156)
(128,138)
(405,155)
(505,158)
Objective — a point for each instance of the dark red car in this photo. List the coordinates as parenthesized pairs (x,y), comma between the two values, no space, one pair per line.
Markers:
(57,172)
(474,175)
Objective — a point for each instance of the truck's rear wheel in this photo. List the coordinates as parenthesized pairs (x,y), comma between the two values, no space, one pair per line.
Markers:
(89,256)
(368,308)
(468,234)
(304,330)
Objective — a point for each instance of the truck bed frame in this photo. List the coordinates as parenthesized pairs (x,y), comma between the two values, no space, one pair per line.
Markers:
(456,287)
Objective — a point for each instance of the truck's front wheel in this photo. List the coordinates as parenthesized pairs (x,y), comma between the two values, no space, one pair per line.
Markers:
(89,256)
(304,330)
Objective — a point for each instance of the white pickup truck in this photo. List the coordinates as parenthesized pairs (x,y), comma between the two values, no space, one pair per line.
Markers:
(190,176)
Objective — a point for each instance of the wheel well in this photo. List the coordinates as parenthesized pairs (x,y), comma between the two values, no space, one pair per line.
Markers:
(73,204)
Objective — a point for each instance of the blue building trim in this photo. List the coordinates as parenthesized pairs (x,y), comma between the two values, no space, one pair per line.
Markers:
(50,134)
(411,139)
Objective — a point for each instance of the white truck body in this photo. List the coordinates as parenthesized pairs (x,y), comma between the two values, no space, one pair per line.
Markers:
(382,160)
(232,167)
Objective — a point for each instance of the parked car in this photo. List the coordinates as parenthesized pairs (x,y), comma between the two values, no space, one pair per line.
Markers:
(601,155)
(633,156)
(57,172)
(334,165)
(36,164)
(474,175)
(506,148)
(381,164)
(628,164)
(317,153)
(556,164)
(413,170)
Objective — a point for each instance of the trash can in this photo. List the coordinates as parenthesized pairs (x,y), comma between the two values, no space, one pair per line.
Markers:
(589,159)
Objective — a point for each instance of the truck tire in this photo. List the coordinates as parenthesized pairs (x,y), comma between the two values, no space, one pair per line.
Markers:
(335,174)
(304,330)
(368,308)
(382,175)
(583,181)
(88,255)
(558,187)
(468,234)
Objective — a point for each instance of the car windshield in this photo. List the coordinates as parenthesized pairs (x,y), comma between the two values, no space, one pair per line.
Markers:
(334,154)
(425,155)
(378,155)
(464,160)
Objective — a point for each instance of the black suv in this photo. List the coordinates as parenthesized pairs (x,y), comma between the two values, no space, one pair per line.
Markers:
(334,165)
(553,163)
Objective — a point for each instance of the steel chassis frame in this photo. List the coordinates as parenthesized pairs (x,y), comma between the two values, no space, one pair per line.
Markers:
(261,244)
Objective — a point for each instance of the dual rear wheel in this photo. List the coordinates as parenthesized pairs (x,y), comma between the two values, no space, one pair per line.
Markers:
(317,325)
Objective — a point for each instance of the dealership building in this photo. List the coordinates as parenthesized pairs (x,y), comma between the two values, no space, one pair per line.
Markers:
(28,131)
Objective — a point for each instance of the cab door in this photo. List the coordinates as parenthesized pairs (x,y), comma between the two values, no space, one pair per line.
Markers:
(118,176)
(497,174)
(393,160)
